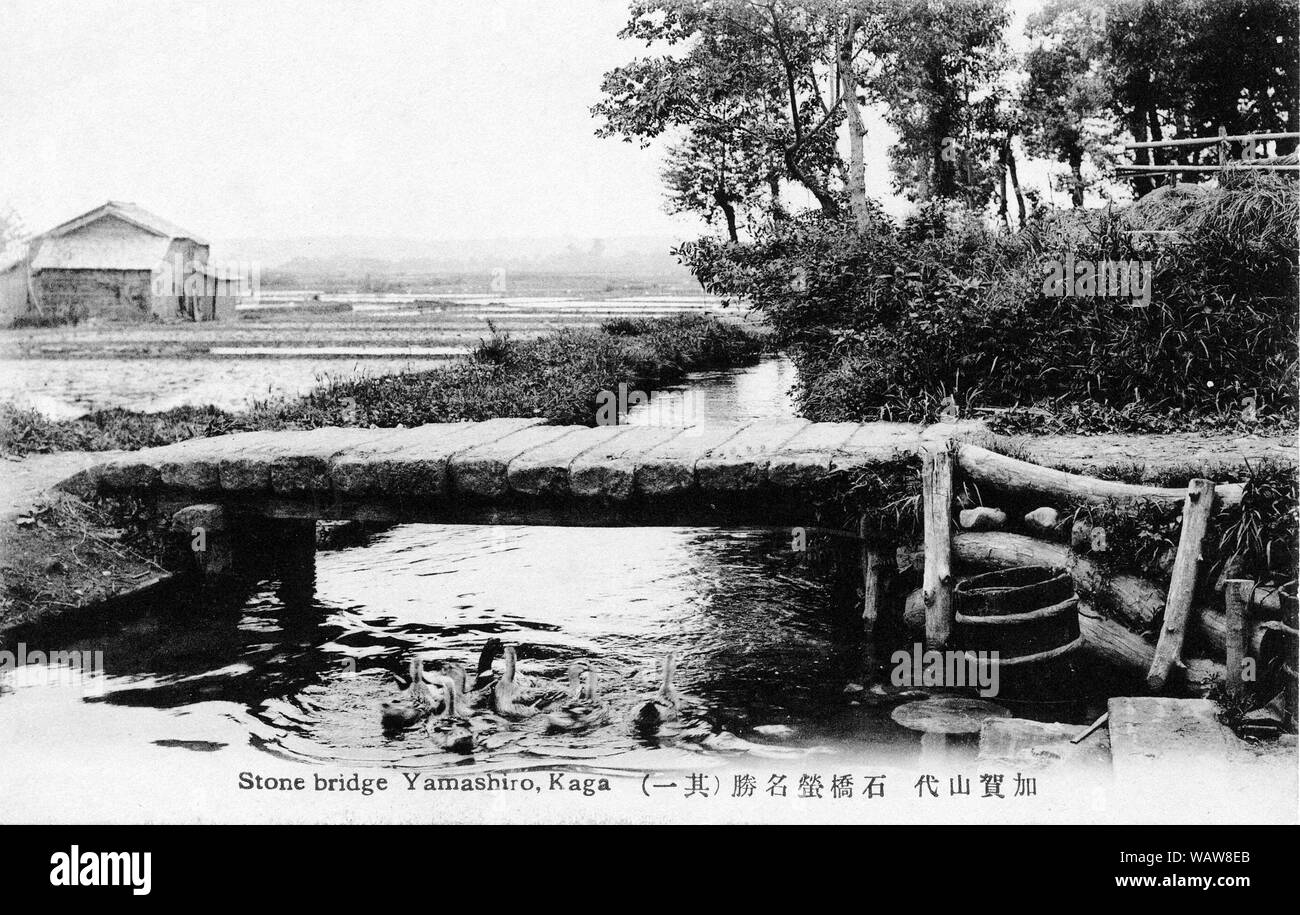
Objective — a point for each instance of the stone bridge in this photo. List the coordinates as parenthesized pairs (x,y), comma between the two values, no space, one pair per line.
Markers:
(514,471)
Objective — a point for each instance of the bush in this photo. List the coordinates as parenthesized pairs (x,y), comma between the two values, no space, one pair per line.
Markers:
(888,322)
(556,376)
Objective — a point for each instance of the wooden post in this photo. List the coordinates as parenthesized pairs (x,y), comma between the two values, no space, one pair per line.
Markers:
(936,585)
(1236,598)
(874,568)
(1182,583)
(1223,152)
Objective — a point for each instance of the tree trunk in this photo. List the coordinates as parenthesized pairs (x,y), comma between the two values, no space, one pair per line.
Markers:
(942,120)
(830,206)
(1142,184)
(1076,177)
(849,88)
(1015,181)
(1002,185)
(723,199)
(774,191)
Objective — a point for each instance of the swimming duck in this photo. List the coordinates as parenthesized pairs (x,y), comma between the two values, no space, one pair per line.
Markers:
(663,706)
(447,730)
(452,678)
(585,709)
(517,696)
(413,704)
(484,675)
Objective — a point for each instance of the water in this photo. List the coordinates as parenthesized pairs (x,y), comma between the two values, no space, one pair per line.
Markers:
(757,635)
(756,638)
(289,680)
(761,391)
(67,388)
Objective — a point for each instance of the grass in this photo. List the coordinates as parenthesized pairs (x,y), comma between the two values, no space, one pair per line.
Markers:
(556,376)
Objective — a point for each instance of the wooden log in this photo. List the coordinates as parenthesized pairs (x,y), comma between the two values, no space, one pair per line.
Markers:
(1114,643)
(874,567)
(1236,596)
(936,584)
(1213,627)
(1136,600)
(1004,474)
(1182,585)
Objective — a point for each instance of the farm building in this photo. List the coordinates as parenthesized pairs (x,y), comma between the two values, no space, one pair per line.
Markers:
(118,262)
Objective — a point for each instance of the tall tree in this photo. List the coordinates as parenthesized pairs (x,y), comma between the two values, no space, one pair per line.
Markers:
(936,59)
(1064,98)
(742,71)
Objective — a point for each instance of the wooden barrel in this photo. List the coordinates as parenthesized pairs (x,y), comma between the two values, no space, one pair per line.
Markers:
(1027,614)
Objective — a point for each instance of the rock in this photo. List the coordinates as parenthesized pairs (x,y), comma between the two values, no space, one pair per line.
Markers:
(1200,675)
(852,688)
(1097,540)
(947,715)
(1043,521)
(1038,745)
(914,612)
(1081,536)
(982,519)
(774,730)
(208,517)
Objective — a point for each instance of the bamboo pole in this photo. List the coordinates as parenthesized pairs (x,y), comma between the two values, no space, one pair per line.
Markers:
(1236,597)
(936,586)
(1182,583)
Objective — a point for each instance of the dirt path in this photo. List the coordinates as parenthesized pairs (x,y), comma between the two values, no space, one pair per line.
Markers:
(22,480)
(1155,453)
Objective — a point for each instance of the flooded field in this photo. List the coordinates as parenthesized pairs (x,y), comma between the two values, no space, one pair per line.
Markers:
(283,351)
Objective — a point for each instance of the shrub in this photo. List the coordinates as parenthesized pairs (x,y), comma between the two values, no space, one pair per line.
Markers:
(887,322)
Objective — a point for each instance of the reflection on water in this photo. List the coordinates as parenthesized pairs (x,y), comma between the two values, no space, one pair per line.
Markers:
(303,677)
(755,392)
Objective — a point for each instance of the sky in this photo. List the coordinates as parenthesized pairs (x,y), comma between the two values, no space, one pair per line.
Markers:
(436,119)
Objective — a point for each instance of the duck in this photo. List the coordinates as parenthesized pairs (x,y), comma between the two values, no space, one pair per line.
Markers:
(451,677)
(663,705)
(517,696)
(413,704)
(485,675)
(584,709)
(448,730)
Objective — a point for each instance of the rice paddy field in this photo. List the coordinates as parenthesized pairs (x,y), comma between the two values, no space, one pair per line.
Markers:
(285,343)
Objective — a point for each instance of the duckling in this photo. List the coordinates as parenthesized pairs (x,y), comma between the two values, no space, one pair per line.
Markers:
(452,678)
(517,696)
(584,710)
(663,706)
(413,704)
(510,691)
(448,730)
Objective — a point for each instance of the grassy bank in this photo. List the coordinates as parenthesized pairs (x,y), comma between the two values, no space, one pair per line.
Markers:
(64,553)
(556,376)
(943,312)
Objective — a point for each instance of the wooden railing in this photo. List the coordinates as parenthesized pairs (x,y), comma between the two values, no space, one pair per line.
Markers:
(1236,629)
(1247,162)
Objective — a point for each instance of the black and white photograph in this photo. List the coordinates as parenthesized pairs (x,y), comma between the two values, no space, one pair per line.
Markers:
(650,412)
